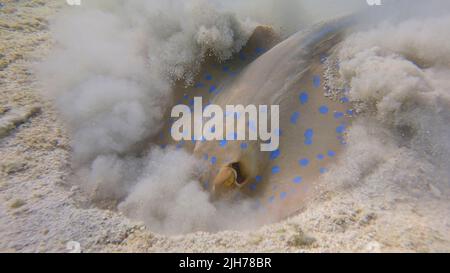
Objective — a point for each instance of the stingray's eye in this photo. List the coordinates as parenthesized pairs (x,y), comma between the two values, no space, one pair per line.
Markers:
(240,173)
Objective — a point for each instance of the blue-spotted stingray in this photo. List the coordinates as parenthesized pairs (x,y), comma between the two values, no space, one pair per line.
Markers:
(291,74)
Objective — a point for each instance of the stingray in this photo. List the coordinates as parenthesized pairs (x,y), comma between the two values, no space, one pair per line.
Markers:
(292,74)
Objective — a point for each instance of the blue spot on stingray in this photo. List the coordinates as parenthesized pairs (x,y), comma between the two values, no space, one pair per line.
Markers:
(283,195)
(242,56)
(212,88)
(316,81)
(338,115)
(275,154)
(259,50)
(344,100)
(331,153)
(323,109)
(297,180)
(208,77)
(213,129)
(304,162)
(223,143)
(350,112)
(213,160)
(199,85)
(304,97)
(308,141)
(276,169)
(323,170)
(340,129)
(309,133)
(225,68)
(253,186)
(294,117)
(320,157)
(258,178)
(244,146)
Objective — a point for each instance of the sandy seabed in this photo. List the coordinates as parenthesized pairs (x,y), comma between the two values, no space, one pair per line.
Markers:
(41,210)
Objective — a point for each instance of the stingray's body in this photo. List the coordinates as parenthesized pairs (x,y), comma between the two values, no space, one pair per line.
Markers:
(312,126)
